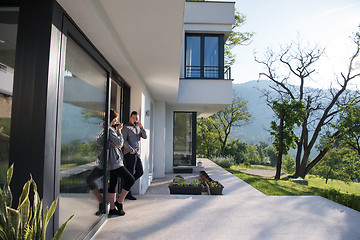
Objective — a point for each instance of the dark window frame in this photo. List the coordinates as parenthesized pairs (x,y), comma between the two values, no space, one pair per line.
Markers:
(202,55)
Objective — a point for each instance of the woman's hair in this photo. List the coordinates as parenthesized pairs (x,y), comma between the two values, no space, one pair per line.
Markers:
(113,114)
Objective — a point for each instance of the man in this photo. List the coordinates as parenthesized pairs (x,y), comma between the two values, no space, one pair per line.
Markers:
(132,132)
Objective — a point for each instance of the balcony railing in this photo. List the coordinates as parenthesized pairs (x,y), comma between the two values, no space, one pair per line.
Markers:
(208,72)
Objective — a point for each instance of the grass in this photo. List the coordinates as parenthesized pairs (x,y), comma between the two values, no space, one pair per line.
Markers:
(242,166)
(337,191)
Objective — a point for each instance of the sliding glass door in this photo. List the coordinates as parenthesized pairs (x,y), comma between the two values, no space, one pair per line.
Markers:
(8,33)
(83,108)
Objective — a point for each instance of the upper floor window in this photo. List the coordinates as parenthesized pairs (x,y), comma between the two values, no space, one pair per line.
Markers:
(204,56)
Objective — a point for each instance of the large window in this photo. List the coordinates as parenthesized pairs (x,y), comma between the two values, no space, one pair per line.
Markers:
(83,108)
(8,33)
(204,56)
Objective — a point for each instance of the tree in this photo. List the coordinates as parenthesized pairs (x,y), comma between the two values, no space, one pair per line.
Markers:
(348,125)
(339,163)
(322,106)
(214,132)
(236,38)
(232,116)
(237,149)
(207,139)
(289,113)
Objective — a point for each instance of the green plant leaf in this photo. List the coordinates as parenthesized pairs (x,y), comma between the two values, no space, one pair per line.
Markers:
(3,235)
(25,193)
(48,214)
(14,217)
(25,214)
(60,231)
(9,174)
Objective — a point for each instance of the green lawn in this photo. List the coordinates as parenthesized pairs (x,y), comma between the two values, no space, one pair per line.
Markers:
(242,166)
(346,194)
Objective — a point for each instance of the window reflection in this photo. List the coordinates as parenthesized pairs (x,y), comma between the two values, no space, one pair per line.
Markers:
(8,33)
(84,98)
(203,56)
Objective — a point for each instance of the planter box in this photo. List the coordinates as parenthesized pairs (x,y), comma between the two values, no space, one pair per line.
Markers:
(216,190)
(191,190)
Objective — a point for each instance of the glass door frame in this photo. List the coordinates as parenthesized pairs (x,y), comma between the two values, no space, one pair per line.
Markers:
(193,135)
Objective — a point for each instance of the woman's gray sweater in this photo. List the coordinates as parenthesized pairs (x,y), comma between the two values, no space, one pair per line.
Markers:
(116,157)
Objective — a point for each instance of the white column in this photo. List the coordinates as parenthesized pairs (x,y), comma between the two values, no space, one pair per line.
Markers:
(159,139)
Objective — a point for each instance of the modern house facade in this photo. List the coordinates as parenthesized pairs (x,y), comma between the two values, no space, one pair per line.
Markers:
(64,64)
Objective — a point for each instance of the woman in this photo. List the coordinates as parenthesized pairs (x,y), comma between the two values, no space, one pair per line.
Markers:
(116,167)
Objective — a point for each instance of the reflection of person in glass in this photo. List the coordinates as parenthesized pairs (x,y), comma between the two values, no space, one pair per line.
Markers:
(116,167)
(132,133)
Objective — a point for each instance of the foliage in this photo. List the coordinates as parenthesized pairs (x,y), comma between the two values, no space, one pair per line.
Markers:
(237,150)
(288,163)
(224,162)
(208,143)
(214,184)
(182,183)
(214,132)
(348,125)
(339,163)
(284,187)
(28,221)
(296,62)
(349,200)
(292,113)
(236,38)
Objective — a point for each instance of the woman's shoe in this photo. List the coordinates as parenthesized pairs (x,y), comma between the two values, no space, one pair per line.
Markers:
(114,211)
(119,207)
(101,209)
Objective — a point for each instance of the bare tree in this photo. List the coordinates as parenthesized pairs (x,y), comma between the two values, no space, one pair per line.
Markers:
(322,106)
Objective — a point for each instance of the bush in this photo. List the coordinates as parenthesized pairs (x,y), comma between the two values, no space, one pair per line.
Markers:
(349,200)
(223,161)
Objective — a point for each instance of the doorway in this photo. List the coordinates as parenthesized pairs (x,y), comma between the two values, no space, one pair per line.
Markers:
(184,140)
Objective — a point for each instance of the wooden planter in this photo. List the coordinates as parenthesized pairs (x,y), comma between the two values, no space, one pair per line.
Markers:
(190,190)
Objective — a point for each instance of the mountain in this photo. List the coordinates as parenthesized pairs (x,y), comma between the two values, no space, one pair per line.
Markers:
(258,128)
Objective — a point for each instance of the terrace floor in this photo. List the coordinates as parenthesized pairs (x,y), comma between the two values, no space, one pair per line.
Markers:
(242,212)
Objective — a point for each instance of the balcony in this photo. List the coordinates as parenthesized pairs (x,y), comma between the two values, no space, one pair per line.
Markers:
(208,72)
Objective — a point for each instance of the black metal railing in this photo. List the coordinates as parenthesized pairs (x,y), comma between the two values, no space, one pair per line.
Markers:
(208,72)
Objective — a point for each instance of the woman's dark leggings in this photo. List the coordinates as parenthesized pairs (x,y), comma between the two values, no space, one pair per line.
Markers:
(126,177)
(121,172)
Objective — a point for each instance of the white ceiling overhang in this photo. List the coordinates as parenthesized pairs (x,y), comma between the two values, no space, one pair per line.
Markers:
(141,39)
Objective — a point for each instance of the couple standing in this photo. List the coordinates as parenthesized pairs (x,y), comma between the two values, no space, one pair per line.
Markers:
(126,165)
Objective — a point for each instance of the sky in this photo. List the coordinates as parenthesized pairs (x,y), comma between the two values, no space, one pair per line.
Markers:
(328,23)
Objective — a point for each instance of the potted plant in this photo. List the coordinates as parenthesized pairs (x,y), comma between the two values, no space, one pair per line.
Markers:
(28,220)
(215,187)
(180,186)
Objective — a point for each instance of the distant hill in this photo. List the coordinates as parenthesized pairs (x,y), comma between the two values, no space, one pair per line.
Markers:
(258,128)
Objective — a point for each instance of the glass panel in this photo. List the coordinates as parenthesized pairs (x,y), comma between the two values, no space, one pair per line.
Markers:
(82,118)
(193,56)
(182,138)
(8,32)
(116,99)
(211,57)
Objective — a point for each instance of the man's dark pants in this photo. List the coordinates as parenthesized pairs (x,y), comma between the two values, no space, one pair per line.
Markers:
(133,164)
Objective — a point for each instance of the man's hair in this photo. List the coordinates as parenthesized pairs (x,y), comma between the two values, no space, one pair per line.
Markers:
(133,113)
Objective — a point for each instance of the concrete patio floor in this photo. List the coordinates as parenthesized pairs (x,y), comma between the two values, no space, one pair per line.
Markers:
(241,212)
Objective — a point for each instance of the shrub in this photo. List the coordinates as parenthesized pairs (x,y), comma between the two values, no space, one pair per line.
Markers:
(223,161)
(349,200)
